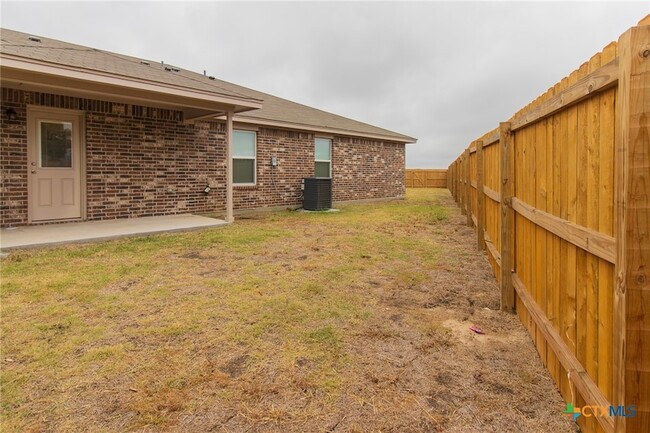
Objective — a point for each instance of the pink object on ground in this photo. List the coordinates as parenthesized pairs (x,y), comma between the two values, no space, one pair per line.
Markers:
(476,329)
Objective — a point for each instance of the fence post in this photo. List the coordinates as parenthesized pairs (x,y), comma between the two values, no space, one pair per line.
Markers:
(480,197)
(458,176)
(468,189)
(453,179)
(450,179)
(461,202)
(507,163)
(452,184)
(631,357)
(456,180)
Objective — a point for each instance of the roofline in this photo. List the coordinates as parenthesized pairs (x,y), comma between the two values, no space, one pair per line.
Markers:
(16,63)
(306,127)
(104,78)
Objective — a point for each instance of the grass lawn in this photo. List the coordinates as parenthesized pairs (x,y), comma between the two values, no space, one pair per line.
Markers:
(285,321)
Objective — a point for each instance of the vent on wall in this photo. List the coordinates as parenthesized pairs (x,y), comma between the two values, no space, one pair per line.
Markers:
(317,194)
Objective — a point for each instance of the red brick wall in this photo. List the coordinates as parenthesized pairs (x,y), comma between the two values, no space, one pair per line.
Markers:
(146,161)
(361,169)
(143,161)
(367,169)
(280,185)
(13,161)
(140,161)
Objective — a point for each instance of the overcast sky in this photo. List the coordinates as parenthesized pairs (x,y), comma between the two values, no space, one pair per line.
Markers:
(443,72)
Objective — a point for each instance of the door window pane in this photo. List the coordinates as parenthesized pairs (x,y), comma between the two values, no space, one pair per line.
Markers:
(56,144)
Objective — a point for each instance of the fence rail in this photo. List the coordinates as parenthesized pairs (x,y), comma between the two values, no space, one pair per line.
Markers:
(560,199)
(426,178)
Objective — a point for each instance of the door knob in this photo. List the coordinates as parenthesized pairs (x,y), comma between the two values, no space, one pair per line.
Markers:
(33,171)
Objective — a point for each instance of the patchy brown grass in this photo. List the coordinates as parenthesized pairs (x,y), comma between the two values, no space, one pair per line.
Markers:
(355,321)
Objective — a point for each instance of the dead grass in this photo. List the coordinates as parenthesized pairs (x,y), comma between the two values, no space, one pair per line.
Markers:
(290,322)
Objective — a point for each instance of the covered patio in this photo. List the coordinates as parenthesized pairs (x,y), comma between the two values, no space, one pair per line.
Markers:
(89,136)
(90,231)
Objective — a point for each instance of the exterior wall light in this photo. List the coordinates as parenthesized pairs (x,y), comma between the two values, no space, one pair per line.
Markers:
(11,114)
(207,189)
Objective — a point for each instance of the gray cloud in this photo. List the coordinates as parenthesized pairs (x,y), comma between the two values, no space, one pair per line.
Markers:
(444,72)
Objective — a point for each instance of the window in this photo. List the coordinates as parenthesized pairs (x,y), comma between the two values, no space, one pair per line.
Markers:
(55,144)
(243,159)
(323,157)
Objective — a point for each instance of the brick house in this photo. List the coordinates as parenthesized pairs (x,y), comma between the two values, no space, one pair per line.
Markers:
(92,135)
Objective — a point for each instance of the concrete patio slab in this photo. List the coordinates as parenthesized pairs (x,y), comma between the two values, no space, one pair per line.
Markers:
(89,231)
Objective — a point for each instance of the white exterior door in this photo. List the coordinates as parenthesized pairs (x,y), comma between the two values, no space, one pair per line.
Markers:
(54,165)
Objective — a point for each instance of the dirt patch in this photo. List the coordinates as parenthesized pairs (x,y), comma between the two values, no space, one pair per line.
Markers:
(196,255)
(236,366)
(121,286)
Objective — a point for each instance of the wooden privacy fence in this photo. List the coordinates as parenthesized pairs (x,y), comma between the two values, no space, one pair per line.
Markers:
(560,198)
(426,178)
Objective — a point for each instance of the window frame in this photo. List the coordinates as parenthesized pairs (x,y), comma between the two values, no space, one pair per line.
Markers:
(254,158)
(329,161)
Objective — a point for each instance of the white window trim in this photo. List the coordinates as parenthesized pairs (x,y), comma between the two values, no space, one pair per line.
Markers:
(324,160)
(254,158)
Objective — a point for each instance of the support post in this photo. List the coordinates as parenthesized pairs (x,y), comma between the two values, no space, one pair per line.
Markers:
(229,144)
(480,197)
(507,163)
(631,357)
